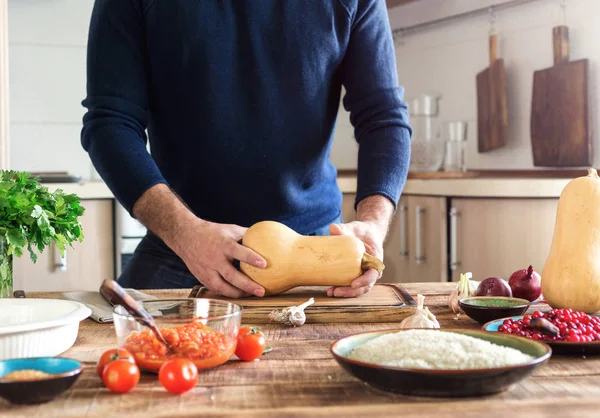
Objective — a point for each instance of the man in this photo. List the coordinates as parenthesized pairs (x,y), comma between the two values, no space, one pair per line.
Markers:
(240,99)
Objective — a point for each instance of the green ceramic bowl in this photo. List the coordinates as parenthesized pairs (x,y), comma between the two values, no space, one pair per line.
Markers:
(442,383)
(484,309)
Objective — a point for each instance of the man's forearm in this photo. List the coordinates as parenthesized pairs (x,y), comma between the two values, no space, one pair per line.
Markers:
(163,212)
(376,209)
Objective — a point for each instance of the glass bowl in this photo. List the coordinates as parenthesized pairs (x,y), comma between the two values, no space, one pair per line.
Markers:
(202,330)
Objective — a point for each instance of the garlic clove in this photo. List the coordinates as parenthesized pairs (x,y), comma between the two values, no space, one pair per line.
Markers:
(422,318)
(292,315)
(297,317)
(453,302)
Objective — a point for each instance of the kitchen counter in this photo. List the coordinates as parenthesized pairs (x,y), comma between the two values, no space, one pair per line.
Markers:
(475,187)
(85,190)
(525,187)
(301,378)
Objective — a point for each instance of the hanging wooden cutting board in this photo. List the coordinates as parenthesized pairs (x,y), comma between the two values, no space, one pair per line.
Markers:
(492,113)
(384,303)
(560,132)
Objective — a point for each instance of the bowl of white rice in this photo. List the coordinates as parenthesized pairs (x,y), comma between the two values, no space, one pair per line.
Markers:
(441,363)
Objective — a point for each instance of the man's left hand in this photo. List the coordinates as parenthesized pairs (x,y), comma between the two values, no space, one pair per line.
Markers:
(371,235)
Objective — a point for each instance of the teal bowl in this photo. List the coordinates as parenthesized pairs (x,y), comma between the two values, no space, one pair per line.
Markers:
(563,348)
(484,309)
(447,382)
(63,373)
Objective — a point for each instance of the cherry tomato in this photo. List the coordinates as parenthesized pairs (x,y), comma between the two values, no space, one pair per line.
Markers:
(178,375)
(111,355)
(121,376)
(250,344)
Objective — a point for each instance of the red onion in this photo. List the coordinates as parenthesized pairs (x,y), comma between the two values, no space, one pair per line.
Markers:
(493,286)
(526,284)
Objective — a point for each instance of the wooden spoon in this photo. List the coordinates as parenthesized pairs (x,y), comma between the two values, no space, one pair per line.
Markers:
(118,295)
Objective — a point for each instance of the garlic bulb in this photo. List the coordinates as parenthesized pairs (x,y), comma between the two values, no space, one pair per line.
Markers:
(464,288)
(422,318)
(292,315)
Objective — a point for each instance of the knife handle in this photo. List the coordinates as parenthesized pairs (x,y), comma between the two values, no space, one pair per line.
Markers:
(560,42)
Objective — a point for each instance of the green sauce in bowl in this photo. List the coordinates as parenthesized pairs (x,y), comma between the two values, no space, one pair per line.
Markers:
(494,301)
(487,308)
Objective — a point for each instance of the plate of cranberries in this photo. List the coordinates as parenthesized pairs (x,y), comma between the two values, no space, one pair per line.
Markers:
(568,332)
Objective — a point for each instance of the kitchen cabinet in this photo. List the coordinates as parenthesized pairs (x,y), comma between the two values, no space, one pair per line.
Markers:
(416,245)
(495,237)
(395,247)
(348,212)
(427,240)
(88,263)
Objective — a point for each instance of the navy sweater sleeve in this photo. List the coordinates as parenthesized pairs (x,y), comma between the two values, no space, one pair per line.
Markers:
(117,100)
(375,102)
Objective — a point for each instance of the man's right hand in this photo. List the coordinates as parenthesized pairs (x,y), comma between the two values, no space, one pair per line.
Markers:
(208,249)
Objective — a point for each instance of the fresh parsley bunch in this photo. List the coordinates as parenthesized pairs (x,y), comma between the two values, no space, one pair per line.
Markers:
(32,217)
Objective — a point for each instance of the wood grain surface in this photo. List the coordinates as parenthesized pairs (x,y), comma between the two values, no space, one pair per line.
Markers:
(299,378)
(385,303)
(560,131)
(492,108)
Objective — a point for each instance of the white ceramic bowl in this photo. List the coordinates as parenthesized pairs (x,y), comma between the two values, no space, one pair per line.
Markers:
(39,327)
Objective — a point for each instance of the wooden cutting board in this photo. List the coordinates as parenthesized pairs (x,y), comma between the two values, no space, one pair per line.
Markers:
(560,132)
(492,113)
(384,303)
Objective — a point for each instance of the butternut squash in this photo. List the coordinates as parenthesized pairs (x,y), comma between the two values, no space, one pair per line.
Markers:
(571,275)
(296,260)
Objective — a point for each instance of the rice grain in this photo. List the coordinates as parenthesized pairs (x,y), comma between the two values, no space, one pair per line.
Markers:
(427,349)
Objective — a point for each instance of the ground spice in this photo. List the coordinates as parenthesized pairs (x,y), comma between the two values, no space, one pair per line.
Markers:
(26,374)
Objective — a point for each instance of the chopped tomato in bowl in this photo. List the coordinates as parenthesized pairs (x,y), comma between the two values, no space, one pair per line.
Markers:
(201,330)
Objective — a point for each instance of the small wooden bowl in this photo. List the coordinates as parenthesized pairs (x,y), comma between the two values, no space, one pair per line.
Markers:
(63,374)
(484,309)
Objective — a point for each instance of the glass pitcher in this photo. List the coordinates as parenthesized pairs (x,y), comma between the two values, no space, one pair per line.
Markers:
(427,147)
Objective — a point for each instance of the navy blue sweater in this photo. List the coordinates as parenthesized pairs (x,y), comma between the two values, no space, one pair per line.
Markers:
(239,99)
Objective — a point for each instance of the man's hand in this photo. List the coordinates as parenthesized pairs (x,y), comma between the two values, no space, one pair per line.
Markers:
(370,234)
(374,215)
(206,248)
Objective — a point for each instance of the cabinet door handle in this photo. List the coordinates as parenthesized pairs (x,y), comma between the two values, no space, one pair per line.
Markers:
(60,262)
(419,256)
(403,210)
(454,263)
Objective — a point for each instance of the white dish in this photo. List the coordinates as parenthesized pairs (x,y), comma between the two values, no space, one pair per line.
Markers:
(39,327)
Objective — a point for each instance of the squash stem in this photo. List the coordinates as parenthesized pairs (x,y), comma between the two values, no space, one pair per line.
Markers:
(370,262)
(592,172)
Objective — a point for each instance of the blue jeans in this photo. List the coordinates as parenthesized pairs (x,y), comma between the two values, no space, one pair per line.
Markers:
(155,266)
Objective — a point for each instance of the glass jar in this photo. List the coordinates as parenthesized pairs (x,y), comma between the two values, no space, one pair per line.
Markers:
(454,135)
(427,148)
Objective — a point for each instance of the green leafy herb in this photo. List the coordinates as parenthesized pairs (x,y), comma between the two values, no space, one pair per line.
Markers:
(31,217)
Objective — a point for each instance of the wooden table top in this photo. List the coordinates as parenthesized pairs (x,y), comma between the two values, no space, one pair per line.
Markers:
(300,378)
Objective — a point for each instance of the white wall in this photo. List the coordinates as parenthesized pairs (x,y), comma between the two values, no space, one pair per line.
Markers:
(447,58)
(47,41)
(47,48)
